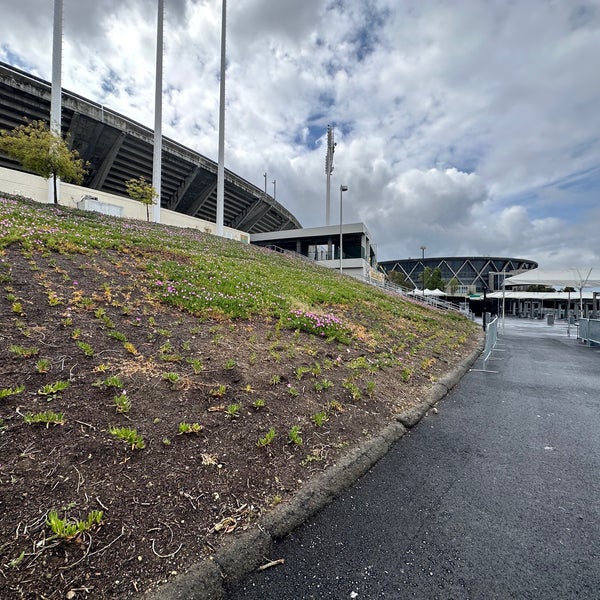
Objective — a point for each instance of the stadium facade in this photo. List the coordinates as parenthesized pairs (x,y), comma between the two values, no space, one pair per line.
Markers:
(118,149)
(469,274)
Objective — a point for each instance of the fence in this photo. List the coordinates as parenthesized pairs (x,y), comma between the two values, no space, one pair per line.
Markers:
(491,337)
(589,331)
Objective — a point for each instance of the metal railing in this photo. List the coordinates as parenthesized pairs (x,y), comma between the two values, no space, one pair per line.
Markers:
(588,330)
(491,338)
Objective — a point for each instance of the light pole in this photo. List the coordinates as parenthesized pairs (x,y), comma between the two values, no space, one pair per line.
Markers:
(343,188)
(423,248)
(274,189)
(265,176)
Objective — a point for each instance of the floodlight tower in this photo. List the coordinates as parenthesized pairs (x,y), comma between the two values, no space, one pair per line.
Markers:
(329,171)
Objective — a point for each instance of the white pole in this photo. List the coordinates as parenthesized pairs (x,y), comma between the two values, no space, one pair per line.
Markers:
(56,92)
(221,166)
(157,151)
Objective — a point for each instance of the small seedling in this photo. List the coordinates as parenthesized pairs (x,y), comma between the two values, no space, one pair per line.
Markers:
(23,351)
(42,365)
(275,379)
(301,371)
(122,403)
(4,393)
(219,391)
(69,530)
(171,377)
(229,364)
(117,335)
(113,381)
(323,384)
(353,389)
(17,308)
(130,348)
(233,410)
(260,403)
(294,435)
(45,418)
(131,436)
(292,391)
(320,418)
(267,438)
(190,428)
(196,365)
(370,388)
(53,388)
(86,349)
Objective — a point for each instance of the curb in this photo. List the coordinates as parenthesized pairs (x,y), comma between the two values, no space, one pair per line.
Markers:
(236,560)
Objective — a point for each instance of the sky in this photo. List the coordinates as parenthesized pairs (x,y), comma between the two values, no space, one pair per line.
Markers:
(470,127)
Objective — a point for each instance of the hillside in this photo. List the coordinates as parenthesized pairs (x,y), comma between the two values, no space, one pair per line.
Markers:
(181,385)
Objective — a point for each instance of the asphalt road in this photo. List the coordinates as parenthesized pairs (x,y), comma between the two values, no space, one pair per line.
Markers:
(495,496)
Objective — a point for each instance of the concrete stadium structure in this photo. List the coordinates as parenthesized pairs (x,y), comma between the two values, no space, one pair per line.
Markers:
(118,149)
(471,273)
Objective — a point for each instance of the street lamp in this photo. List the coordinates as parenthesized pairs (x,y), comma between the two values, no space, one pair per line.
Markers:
(343,188)
(423,248)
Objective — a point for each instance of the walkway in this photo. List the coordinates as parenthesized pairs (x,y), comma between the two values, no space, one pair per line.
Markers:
(496,496)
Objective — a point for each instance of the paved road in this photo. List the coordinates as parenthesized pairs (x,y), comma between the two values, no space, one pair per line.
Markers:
(496,496)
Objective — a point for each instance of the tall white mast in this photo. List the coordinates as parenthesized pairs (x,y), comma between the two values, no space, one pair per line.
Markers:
(221,165)
(157,150)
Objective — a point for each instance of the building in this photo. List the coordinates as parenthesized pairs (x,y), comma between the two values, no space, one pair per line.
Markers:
(119,149)
(464,275)
(322,244)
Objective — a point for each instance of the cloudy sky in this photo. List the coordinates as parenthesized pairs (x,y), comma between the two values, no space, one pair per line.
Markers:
(466,126)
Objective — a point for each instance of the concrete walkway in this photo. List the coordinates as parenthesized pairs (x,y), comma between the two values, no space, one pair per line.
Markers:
(495,496)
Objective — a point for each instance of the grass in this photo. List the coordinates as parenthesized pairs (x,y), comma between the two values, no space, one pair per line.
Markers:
(183,346)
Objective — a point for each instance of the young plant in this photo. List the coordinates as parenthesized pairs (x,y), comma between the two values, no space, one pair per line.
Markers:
(113,381)
(353,389)
(189,428)
(370,388)
(260,403)
(45,418)
(320,418)
(301,371)
(233,410)
(4,393)
(69,530)
(23,351)
(219,391)
(294,435)
(131,436)
(42,365)
(86,349)
(275,379)
(229,364)
(130,348)
(323,384)
(292,391)
(267,438)
(117,335)
(122,403)
(171,377)
(53,388)
(196,364)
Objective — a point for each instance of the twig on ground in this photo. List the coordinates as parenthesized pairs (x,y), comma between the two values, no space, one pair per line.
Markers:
(166,555)
(270,564)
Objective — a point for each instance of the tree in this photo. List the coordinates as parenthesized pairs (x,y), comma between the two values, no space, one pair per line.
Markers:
(142,191)
(453,286)
(43,152)
(399,279)
(432,279)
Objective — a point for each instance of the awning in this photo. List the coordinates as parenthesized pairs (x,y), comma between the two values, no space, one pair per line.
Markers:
(575,277)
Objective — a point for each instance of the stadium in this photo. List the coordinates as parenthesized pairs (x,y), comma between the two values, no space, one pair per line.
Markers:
(119,149)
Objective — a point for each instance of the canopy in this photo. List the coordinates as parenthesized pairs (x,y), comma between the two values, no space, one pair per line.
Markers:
(582,277)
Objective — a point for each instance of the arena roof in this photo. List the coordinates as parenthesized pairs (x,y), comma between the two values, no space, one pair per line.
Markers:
(118,149)
(466,270)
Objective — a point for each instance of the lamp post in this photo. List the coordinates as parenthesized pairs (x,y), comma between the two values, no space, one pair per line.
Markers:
(343,188)
(423,248)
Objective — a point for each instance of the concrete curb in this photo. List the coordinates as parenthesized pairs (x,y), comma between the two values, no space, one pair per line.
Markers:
(206,580)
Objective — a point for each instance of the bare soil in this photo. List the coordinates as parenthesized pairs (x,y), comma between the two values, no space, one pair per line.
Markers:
(179,498)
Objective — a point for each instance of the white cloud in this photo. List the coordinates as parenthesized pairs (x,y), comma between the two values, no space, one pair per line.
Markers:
(468,128)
